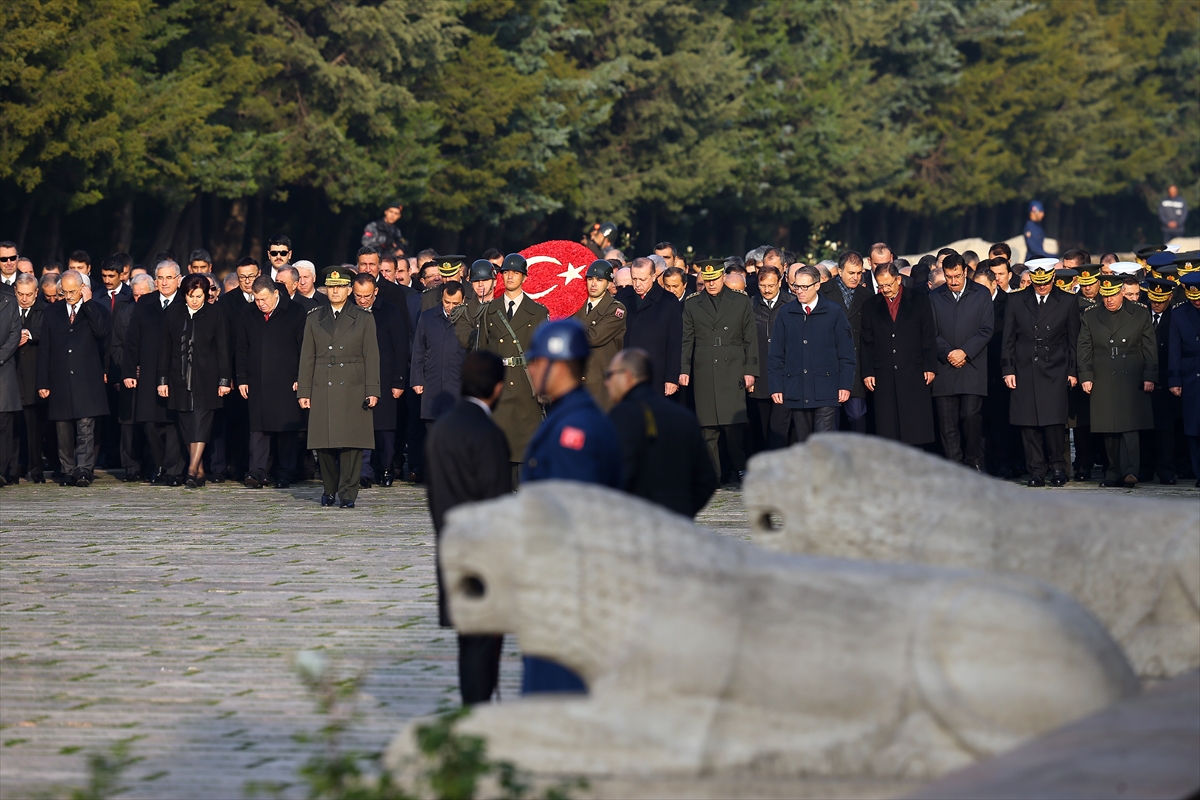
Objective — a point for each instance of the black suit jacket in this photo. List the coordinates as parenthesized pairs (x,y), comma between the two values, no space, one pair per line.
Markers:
(391,331)
(27,356)
(466,460)
(124,295)
(655,324)
(665,458)
(1039,348)
(267,359)
(139,357)
(832,292)
(71,361)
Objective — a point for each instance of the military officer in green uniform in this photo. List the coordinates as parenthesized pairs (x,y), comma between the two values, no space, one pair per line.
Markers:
(1118,366)
(450,268)
(507,330)
(1079,416)
(719,360)
(339,384)
(603,320)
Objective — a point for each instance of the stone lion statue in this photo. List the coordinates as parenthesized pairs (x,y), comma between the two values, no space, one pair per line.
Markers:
(707,655)
(1135,563)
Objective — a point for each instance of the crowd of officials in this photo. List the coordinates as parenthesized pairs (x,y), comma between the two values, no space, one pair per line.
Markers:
(279,372)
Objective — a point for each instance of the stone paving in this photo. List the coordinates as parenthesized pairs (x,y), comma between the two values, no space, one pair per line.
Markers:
(170,618)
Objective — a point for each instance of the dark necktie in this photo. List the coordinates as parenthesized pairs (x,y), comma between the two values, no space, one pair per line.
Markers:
(112,300)
(335,315)
(1157,317)
(589,310)
(512,304)
(72,314)
(24,318)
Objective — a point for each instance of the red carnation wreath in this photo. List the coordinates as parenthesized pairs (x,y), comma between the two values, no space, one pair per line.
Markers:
(556,276)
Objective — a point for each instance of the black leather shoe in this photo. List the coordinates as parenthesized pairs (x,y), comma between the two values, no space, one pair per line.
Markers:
(364,483)
(327,500)
(282,484)
(388,478)
(160,478)
(83,480)
(3,481)
(192,482)
(1080,476)
(218,478)
(1059,479)
(253,481)
(133,477)
(1036,482)
(175,481)
(1130,481)
(349,504)
(66,480)
(1168,481)
(37,478)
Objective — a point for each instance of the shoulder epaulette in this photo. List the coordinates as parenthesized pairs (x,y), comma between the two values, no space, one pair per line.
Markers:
(690,296)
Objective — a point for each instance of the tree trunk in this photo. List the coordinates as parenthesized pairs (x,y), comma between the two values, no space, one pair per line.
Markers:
(258,228)
(53,243)
(925,241)
(881,226)
(901,236)
(344,238)
(229,245)
(214,217)
(989,223)
(23,228)
(184,240)
(164,237)
(123,227)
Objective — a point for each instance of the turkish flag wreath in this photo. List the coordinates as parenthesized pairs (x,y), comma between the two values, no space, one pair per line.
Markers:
(556,276)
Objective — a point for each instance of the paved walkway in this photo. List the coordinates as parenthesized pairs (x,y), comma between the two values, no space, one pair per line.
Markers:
(169,618)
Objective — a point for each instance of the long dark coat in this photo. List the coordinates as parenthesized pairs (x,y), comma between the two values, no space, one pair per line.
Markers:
(812,355)
(195,358)
(1183,365)
(339,369)
(764,324)
(719,347)
(267,360)
(1167,407)
(391,331)
(968,325)
(518,413)
(858,301)
(655,324)
(71,361)
(437,363)
(605,328)
(466,460)
(10,340)
(27,356)
(126,398)
(143,340)
(897,354)
(1040,350)
(1117,353)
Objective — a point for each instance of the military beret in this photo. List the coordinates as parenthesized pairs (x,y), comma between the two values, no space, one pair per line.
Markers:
(337,276)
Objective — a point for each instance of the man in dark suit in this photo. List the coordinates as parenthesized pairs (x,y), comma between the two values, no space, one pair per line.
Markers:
(70,374)
(765,305)
(1001,451)
(231,448)
(665,458)
(1041,333)
(654,323)
(963,318)
(33,407)
(114,293)
(267,346)
(10,390)
(391,331)
(467,460)
(1158,444)
(133,438)
(899,347)
(851,292)
(139,365)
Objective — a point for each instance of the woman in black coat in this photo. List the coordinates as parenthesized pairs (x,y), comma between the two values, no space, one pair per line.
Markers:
(194,370)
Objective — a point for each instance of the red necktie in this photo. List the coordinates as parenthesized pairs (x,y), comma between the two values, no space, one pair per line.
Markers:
(266,317)
(112,300)
(72,314)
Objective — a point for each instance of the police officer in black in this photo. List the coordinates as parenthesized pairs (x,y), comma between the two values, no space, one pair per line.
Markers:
(384,234)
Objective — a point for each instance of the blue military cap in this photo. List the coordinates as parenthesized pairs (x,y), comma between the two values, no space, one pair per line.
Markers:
(1191,285)
(562,340)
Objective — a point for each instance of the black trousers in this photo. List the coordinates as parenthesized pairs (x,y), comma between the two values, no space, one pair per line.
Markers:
(10,445)
(1158,454)
(287,447)
(478,667)
(133,447)
(341,468)
(965,442)
(163,440)
(1044,449)
(379,459)
(763,415)
(1124,452)
(77,445)
(416,436)
(735,444)
(854,415)
(797,424)
(35,433)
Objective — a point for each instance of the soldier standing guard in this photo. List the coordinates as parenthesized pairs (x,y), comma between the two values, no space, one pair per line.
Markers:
(339,384)
(603,319)
(507,330)
(383,234)
(1118,365)
(720,351)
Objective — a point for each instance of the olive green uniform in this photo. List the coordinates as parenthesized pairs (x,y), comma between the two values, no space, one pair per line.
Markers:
(605,328)
(518,413)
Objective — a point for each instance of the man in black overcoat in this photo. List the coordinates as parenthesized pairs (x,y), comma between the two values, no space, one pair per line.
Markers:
(759,406)
(1001,448)
(654,323)
(666,460)
(33,408)
(899,344)
(391,331)
(133,440)
(267,367)
(139,371)
(850,291)
(963,316)
(1158,444)
(230,452)
(1038,359)
(70,374)
(467,460)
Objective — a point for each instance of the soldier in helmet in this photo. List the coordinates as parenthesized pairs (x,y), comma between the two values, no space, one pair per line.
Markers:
(575,442)
(603,318)
(482,279)
(600,238)
(507,330)
(384,234)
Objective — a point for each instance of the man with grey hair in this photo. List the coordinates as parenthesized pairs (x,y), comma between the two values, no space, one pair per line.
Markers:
(139,368)
(306,285)
(33,407)
(826,269)
(653,322)
(615,255)
(51,287)
(70,374)
(811,361)
(10,393)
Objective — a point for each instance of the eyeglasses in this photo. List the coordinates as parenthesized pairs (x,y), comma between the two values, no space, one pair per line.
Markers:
(277,252)
(799,287)
(9,258)
(610,372)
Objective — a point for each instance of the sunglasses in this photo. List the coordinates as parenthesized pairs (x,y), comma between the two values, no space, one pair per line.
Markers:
(277,252)
(8,258)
